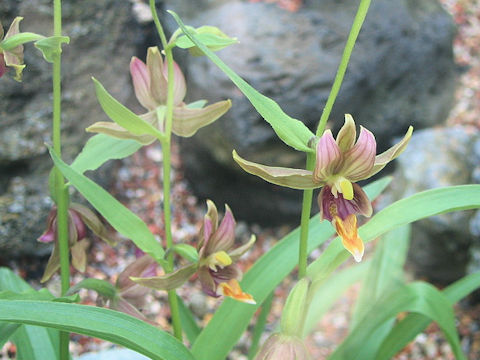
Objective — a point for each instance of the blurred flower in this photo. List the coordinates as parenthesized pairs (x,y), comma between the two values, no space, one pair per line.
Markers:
(339,164)
(216,266)
(12,57)
(151,84)
(79,219)
(283,347)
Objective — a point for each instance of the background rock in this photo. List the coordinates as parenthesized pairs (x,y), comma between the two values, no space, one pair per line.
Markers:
(443,247)
(401,73)
(103,37)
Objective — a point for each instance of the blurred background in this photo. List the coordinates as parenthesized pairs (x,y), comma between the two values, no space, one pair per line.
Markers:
(415,63)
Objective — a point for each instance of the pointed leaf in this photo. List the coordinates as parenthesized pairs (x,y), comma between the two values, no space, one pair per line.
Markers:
(105,324)
(102,287)
(122,115)
(168,281)
(122,219)
(291,131)
(18,39)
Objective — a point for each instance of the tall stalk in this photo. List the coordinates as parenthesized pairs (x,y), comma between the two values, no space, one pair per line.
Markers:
(166,145)
(342,68)
(60,188)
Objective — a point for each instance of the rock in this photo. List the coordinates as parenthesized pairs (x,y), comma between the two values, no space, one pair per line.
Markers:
(445,246)
(102,40)
(401,73)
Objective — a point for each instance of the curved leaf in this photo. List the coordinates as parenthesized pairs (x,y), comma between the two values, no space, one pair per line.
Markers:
(232,318)
(122,219)
(417,297)
(102,323)
(291,131)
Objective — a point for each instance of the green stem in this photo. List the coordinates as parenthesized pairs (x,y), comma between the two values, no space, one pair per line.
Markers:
(305,218)
(60,189)
(342,68)
(166,145)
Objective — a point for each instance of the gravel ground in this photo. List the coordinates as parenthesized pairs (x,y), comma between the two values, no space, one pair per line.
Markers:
(137,184)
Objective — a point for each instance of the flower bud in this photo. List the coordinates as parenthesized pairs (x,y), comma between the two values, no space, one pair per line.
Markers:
(283,347)
(293,314)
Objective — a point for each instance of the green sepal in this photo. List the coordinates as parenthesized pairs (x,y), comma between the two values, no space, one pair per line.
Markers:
(13,41)
(51,47)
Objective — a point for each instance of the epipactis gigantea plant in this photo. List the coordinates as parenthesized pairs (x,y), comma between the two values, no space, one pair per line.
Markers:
(340,163)
(150,85)
(216,265)
(13,57)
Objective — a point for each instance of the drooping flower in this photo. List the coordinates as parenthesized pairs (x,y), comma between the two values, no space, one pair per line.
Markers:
(216,268)
(283,347)
(80,218)
(150,84)
(13,57)
(340,163)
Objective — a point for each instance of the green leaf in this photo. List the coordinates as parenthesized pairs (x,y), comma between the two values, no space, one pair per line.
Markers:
(105,324)
(13,41)
(51,47)
(385,271)
(291,131)
(102,287)
(33,342)
(324,295)
(100,148)
(232,318)
(416,297)
(122,115)
(406,330)
(260,325)
(189,324)
(197,104)
(212,41)
(123,220)
(402,212)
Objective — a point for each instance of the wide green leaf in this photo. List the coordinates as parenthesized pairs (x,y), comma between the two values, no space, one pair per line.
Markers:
(123,220)
(189,324)
(18,39)
(100,148)
(102,323)
(418,297)
(291,131)
(385,271)
(416,207)
(33,342)
(232,317)
(122,115)
(406,330)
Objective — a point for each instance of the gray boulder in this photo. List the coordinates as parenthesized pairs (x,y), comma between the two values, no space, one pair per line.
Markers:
(446,246)
(103,37)
(401,73)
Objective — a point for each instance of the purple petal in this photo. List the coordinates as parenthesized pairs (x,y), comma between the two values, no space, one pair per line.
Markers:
(80,227)
(359,160)
(224,237)
(3,67)
(226,274)
(141,83)
(329,158)
(208,284)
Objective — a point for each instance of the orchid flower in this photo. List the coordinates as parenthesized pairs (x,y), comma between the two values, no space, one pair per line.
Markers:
(13,57)
(150,84)
(340,163)
(216,268)
(79,219)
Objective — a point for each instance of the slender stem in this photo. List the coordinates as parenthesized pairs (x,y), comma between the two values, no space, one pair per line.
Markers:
(166,145)
(305,217)
(342,68)
(61,190)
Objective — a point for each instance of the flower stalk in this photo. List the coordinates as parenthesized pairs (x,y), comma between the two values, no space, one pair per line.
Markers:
(166,145)
(61,190)
(342,68)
